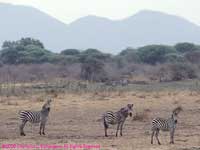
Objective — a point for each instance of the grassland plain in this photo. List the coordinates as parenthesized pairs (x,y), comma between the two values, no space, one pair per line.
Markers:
(76,118)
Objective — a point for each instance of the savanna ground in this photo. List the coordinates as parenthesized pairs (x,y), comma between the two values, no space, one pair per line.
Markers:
(76,118)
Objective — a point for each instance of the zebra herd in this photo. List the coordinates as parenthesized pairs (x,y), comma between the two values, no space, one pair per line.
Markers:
(109,118)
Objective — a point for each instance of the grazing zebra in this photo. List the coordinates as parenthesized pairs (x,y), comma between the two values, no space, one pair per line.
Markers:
(165,125)
(118,118)
(35,117)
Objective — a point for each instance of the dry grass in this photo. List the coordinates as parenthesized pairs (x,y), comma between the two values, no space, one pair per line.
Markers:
(141,116)
(75,118)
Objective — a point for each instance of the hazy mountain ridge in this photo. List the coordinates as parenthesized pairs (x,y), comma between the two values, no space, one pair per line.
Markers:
(22,21)
(145,27)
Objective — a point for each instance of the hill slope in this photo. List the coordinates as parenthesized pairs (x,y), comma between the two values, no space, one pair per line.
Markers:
(22,21)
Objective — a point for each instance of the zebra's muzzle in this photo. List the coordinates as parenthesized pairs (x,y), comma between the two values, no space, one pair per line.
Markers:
(130,114)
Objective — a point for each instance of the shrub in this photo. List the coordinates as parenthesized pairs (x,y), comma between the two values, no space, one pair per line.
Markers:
(193,57)
(92,69)
(175,71)
(174,57)
(180,71)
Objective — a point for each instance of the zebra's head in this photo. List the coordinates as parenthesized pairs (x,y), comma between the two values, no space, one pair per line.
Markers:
(130,109)
(175,113)
(127,111)
(46,106)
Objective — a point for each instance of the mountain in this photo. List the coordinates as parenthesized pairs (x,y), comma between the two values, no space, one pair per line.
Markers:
(145,27)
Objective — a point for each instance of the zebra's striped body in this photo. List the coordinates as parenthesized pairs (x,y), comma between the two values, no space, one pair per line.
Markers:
(113,117)
(165,125)
(31,116)
(35,117)
(119,117)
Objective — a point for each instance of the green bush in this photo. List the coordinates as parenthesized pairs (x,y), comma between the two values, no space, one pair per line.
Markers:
(153,54)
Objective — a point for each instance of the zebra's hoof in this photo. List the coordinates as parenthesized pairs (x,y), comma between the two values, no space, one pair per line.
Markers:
(159,143)
(106,135)
(171,142)
(43,133)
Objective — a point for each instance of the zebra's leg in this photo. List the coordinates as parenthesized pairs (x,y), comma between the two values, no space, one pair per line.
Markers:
(21,128)
(172,136)
(152,135)
(118,125)
(157,132)
(105,128)
(43,129)
(121,127)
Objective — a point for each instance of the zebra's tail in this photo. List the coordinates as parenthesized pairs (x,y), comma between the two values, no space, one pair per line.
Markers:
(104,121)
(100,119)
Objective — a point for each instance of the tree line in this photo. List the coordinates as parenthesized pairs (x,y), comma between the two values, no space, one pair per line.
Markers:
(181,60)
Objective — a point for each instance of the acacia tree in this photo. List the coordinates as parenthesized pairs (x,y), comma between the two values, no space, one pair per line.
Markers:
(185,47)
(153,54)
(26,50)
(31,41)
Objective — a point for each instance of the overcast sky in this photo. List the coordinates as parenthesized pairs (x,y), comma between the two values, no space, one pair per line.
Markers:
(70,10)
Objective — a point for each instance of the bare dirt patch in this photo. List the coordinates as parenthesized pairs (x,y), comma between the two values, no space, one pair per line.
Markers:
(76,118)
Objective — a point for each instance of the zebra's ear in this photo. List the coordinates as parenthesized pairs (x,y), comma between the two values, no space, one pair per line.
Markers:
(130,106)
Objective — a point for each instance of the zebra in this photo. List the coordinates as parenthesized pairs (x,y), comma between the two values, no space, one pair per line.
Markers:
(165,125)
(35,117)
(118,118)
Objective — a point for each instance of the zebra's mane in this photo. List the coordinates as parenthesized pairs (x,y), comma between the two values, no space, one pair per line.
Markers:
(123,109)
